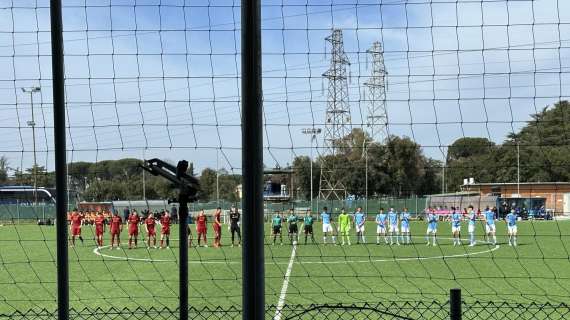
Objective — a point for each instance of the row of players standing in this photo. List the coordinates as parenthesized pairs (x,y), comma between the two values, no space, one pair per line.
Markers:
(489,217)
(345,222)
(392,226)
(149,221)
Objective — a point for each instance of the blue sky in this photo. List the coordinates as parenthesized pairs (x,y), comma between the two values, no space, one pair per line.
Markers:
(160,78)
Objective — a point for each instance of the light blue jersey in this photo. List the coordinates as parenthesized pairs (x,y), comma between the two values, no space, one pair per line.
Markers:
(405,218)
(511,219)
(326,217)
(359,218)
(381,219)
(456,219)
(490,217)
(393,217)
(432,221)
(472,218)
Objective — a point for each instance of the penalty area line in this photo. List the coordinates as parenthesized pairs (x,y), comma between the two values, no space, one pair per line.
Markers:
(281,302)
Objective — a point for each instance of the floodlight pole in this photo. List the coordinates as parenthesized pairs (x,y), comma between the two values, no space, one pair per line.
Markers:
(144,179)
(253,271)
(365,150)
(32,124)
(57,67)
(518,169)
(217,177)
(313,132)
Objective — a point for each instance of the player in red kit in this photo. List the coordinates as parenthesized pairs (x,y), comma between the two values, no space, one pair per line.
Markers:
(116,229)
(217,225)
(134,220)
(99,228)
(165,230)
(150,226)
(76,223)
(201,228)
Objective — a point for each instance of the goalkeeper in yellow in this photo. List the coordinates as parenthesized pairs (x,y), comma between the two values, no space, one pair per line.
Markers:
(344,226)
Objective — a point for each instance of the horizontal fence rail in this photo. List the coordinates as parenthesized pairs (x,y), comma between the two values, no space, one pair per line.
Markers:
(383,310)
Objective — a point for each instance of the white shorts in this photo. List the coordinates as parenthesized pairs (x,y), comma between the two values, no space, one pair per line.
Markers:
(405,229)
(431,229)
(490,228)
(380,229)
(455,229)
(394,228)
(512,229)
(471,228)
(327,227)
(359,228)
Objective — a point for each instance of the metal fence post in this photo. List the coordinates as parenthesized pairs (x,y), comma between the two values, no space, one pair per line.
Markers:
(60,157)
(455,304)
(253,271)
(183,224)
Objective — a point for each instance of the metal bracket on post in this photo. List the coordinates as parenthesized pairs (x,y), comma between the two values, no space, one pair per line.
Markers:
(187,189)
(455,304)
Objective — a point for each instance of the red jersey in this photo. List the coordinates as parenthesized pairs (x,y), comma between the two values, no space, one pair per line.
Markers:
(165,221)
(201,223)
(150,224)
(134,220)
(99,223)
(217,219)
(76,219)
(116,223)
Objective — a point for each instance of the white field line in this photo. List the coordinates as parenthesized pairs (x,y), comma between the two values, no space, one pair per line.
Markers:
(283,294)
(98,251)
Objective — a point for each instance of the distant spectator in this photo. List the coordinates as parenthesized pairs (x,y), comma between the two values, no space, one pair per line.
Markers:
(174,214)
(126,214)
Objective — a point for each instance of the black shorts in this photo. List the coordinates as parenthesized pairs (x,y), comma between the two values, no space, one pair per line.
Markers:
(276,229)
(234,228)
(308,229)
(293,228)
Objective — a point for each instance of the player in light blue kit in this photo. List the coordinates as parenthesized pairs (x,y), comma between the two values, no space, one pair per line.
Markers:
(472,216)
(327,227)
(432,227)
(456,226)
(381,226)
(359,221)
(490,228)
(405,226)
(511,220)
(393,219)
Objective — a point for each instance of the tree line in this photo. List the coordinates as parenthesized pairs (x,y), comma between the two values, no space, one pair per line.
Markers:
(540,149)
(394,167)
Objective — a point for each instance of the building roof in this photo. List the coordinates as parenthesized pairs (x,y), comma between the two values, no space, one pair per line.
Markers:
(455,194)
(514,184)
(279,171)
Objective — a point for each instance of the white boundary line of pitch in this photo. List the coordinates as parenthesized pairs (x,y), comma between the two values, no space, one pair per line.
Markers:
(97,251)
(281,301)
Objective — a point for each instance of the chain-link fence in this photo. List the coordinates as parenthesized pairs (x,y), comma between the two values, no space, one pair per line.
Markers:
(382,310)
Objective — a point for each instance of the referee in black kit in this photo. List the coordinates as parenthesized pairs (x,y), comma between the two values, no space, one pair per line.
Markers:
(234,225)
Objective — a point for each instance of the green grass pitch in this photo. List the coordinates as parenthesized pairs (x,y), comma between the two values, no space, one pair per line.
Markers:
(536,270)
